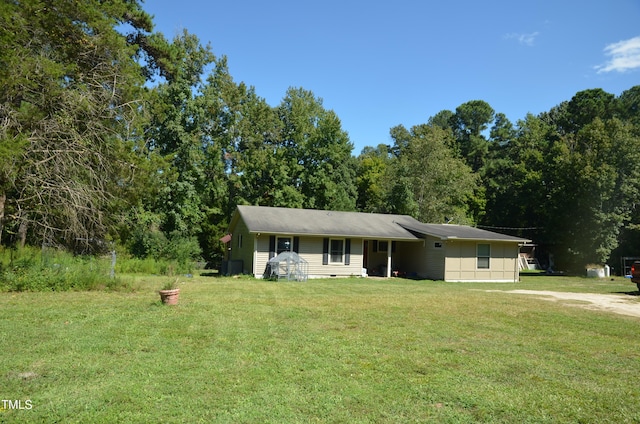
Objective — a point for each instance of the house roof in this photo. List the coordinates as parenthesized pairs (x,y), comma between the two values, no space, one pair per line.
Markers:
(272,220)
(460,232)
(261,219)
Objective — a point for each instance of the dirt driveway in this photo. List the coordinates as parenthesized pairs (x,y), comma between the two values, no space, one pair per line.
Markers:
(624,304)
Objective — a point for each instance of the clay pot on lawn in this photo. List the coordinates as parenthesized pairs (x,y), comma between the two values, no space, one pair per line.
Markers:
(169,297)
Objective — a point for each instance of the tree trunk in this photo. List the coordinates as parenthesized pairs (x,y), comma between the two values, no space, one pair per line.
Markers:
(22,233)
(3,199)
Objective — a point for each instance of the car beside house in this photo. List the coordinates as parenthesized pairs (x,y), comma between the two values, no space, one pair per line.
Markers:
(338,244)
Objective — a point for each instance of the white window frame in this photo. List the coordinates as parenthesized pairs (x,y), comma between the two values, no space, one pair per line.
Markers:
(342,253)
(482,258)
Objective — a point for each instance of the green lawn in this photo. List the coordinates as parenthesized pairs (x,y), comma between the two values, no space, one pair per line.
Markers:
(350,350)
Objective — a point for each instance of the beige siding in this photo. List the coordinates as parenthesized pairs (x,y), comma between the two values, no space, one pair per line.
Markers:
(243,251)
(262,254)
(461,262)
(435,258)
(310,249)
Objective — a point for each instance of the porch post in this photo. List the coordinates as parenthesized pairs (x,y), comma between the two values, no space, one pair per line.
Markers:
(254,266)
(389,258)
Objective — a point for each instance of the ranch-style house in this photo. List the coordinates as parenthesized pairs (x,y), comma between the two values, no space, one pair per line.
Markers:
(354,244)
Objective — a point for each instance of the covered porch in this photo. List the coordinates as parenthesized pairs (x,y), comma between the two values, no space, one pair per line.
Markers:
(390,258)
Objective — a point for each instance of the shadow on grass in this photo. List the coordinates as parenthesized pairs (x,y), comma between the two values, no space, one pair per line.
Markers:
(545,274)
(634,293)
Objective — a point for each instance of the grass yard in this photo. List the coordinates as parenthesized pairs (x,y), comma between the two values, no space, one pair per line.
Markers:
(349,350)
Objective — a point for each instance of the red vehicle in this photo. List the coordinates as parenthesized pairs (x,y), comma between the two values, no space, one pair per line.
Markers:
(635,273)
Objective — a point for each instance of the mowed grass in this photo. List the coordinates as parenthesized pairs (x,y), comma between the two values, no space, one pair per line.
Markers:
(348,350)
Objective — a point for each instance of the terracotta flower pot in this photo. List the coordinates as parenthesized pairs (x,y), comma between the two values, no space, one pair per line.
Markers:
(169,297)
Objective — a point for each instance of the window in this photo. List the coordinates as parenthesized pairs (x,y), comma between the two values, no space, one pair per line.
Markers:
(382,246)
(336,251)
(437,245)
(283,245)
(484,254)
(239,241)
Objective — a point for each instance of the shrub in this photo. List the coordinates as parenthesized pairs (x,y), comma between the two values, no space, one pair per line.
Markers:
(159,254)
(128,265)
(32,269)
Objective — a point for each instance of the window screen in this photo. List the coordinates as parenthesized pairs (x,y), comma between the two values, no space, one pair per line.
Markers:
(336,250)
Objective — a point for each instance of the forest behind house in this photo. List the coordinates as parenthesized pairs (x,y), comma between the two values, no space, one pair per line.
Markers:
(114,137)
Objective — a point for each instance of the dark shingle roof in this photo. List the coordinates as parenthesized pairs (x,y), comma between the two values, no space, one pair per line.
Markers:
(262,219)
(460,232)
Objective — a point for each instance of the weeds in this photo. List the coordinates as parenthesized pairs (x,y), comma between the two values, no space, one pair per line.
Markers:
(32,269)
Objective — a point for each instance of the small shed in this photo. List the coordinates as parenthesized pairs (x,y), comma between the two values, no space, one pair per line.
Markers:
(288,265)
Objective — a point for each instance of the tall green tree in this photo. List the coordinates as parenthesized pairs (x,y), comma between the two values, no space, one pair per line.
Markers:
(517,180)
(471,119)
(178,133)
(317,152)
(241,151)
(584,107)
(628,106)
(371,178)
(596,192)
(429,181)
(444,119)
(70,86)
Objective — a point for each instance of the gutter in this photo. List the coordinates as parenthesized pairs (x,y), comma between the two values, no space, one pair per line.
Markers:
(364,237)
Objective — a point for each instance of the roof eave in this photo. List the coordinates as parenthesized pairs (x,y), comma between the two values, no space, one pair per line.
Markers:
(510,240)
(365,237)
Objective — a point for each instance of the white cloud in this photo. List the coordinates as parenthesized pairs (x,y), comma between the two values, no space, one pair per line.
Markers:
(624,56)
(524,39)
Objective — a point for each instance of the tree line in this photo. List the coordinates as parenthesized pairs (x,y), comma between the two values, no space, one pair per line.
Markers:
(113,135)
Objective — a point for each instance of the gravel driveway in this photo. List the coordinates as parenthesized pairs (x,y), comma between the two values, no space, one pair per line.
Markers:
(624,304)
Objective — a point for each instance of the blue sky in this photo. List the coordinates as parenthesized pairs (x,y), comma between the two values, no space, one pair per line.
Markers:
(379,64)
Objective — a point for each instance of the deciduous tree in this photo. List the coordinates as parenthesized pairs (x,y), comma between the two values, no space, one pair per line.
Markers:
(371,178)
(439,183)
(317,152)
